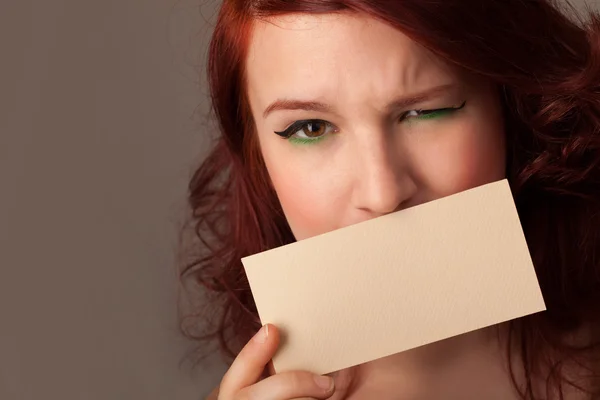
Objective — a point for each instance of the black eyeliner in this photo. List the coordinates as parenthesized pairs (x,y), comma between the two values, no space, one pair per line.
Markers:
(440,109)
(295,127)
(288,132)
(454,108)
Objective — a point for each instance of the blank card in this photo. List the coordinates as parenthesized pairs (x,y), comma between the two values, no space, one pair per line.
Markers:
(396,282)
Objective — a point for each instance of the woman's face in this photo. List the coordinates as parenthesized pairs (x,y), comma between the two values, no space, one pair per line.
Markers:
(395,126)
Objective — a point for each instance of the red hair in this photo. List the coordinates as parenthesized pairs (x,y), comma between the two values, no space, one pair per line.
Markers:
(548,68)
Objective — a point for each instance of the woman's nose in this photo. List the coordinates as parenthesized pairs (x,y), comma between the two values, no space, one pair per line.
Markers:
(382,182)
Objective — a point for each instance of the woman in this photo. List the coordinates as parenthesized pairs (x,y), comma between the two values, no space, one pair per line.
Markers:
(332,112)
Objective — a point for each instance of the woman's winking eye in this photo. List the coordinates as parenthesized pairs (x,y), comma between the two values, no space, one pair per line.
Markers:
(311,131)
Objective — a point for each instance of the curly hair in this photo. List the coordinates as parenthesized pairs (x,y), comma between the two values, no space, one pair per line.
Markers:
(545,58)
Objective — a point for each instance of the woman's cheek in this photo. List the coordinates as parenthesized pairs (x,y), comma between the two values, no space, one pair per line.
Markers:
(469,157)
(307,201)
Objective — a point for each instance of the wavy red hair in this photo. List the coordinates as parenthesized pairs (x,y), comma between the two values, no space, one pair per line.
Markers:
(548,68)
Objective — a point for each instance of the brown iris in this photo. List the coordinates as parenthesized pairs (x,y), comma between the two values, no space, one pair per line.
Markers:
(314,129)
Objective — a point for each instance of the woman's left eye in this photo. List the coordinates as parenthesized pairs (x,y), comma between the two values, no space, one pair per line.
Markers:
(430,114)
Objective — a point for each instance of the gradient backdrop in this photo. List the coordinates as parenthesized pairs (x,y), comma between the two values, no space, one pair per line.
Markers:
(102,118)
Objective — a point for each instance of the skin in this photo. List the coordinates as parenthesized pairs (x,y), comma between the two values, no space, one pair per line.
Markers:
(373,164)
(372,159)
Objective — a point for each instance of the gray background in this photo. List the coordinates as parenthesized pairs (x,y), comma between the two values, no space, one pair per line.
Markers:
(102,108)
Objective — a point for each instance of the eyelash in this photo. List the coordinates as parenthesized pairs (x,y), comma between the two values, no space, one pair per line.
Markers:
(298,125)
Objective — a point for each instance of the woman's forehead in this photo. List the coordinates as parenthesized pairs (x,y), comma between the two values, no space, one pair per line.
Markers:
(314,31)
(337,55)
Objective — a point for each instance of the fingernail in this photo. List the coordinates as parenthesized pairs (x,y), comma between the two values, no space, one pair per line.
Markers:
(262,334)
(324,382)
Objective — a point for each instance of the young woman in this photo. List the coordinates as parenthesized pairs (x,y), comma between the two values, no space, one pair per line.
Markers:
(332,112)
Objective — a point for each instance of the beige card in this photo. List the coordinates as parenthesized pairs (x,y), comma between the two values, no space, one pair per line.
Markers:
(396,282)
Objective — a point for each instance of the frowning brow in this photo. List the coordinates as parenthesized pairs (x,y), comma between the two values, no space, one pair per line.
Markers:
(398,103)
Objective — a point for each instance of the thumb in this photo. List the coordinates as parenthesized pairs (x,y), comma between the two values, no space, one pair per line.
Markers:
(345,382)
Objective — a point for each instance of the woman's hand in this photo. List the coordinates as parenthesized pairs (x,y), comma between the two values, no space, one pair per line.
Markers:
(242,380)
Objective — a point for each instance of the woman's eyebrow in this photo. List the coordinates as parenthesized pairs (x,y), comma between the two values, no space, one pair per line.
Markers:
(400,102)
